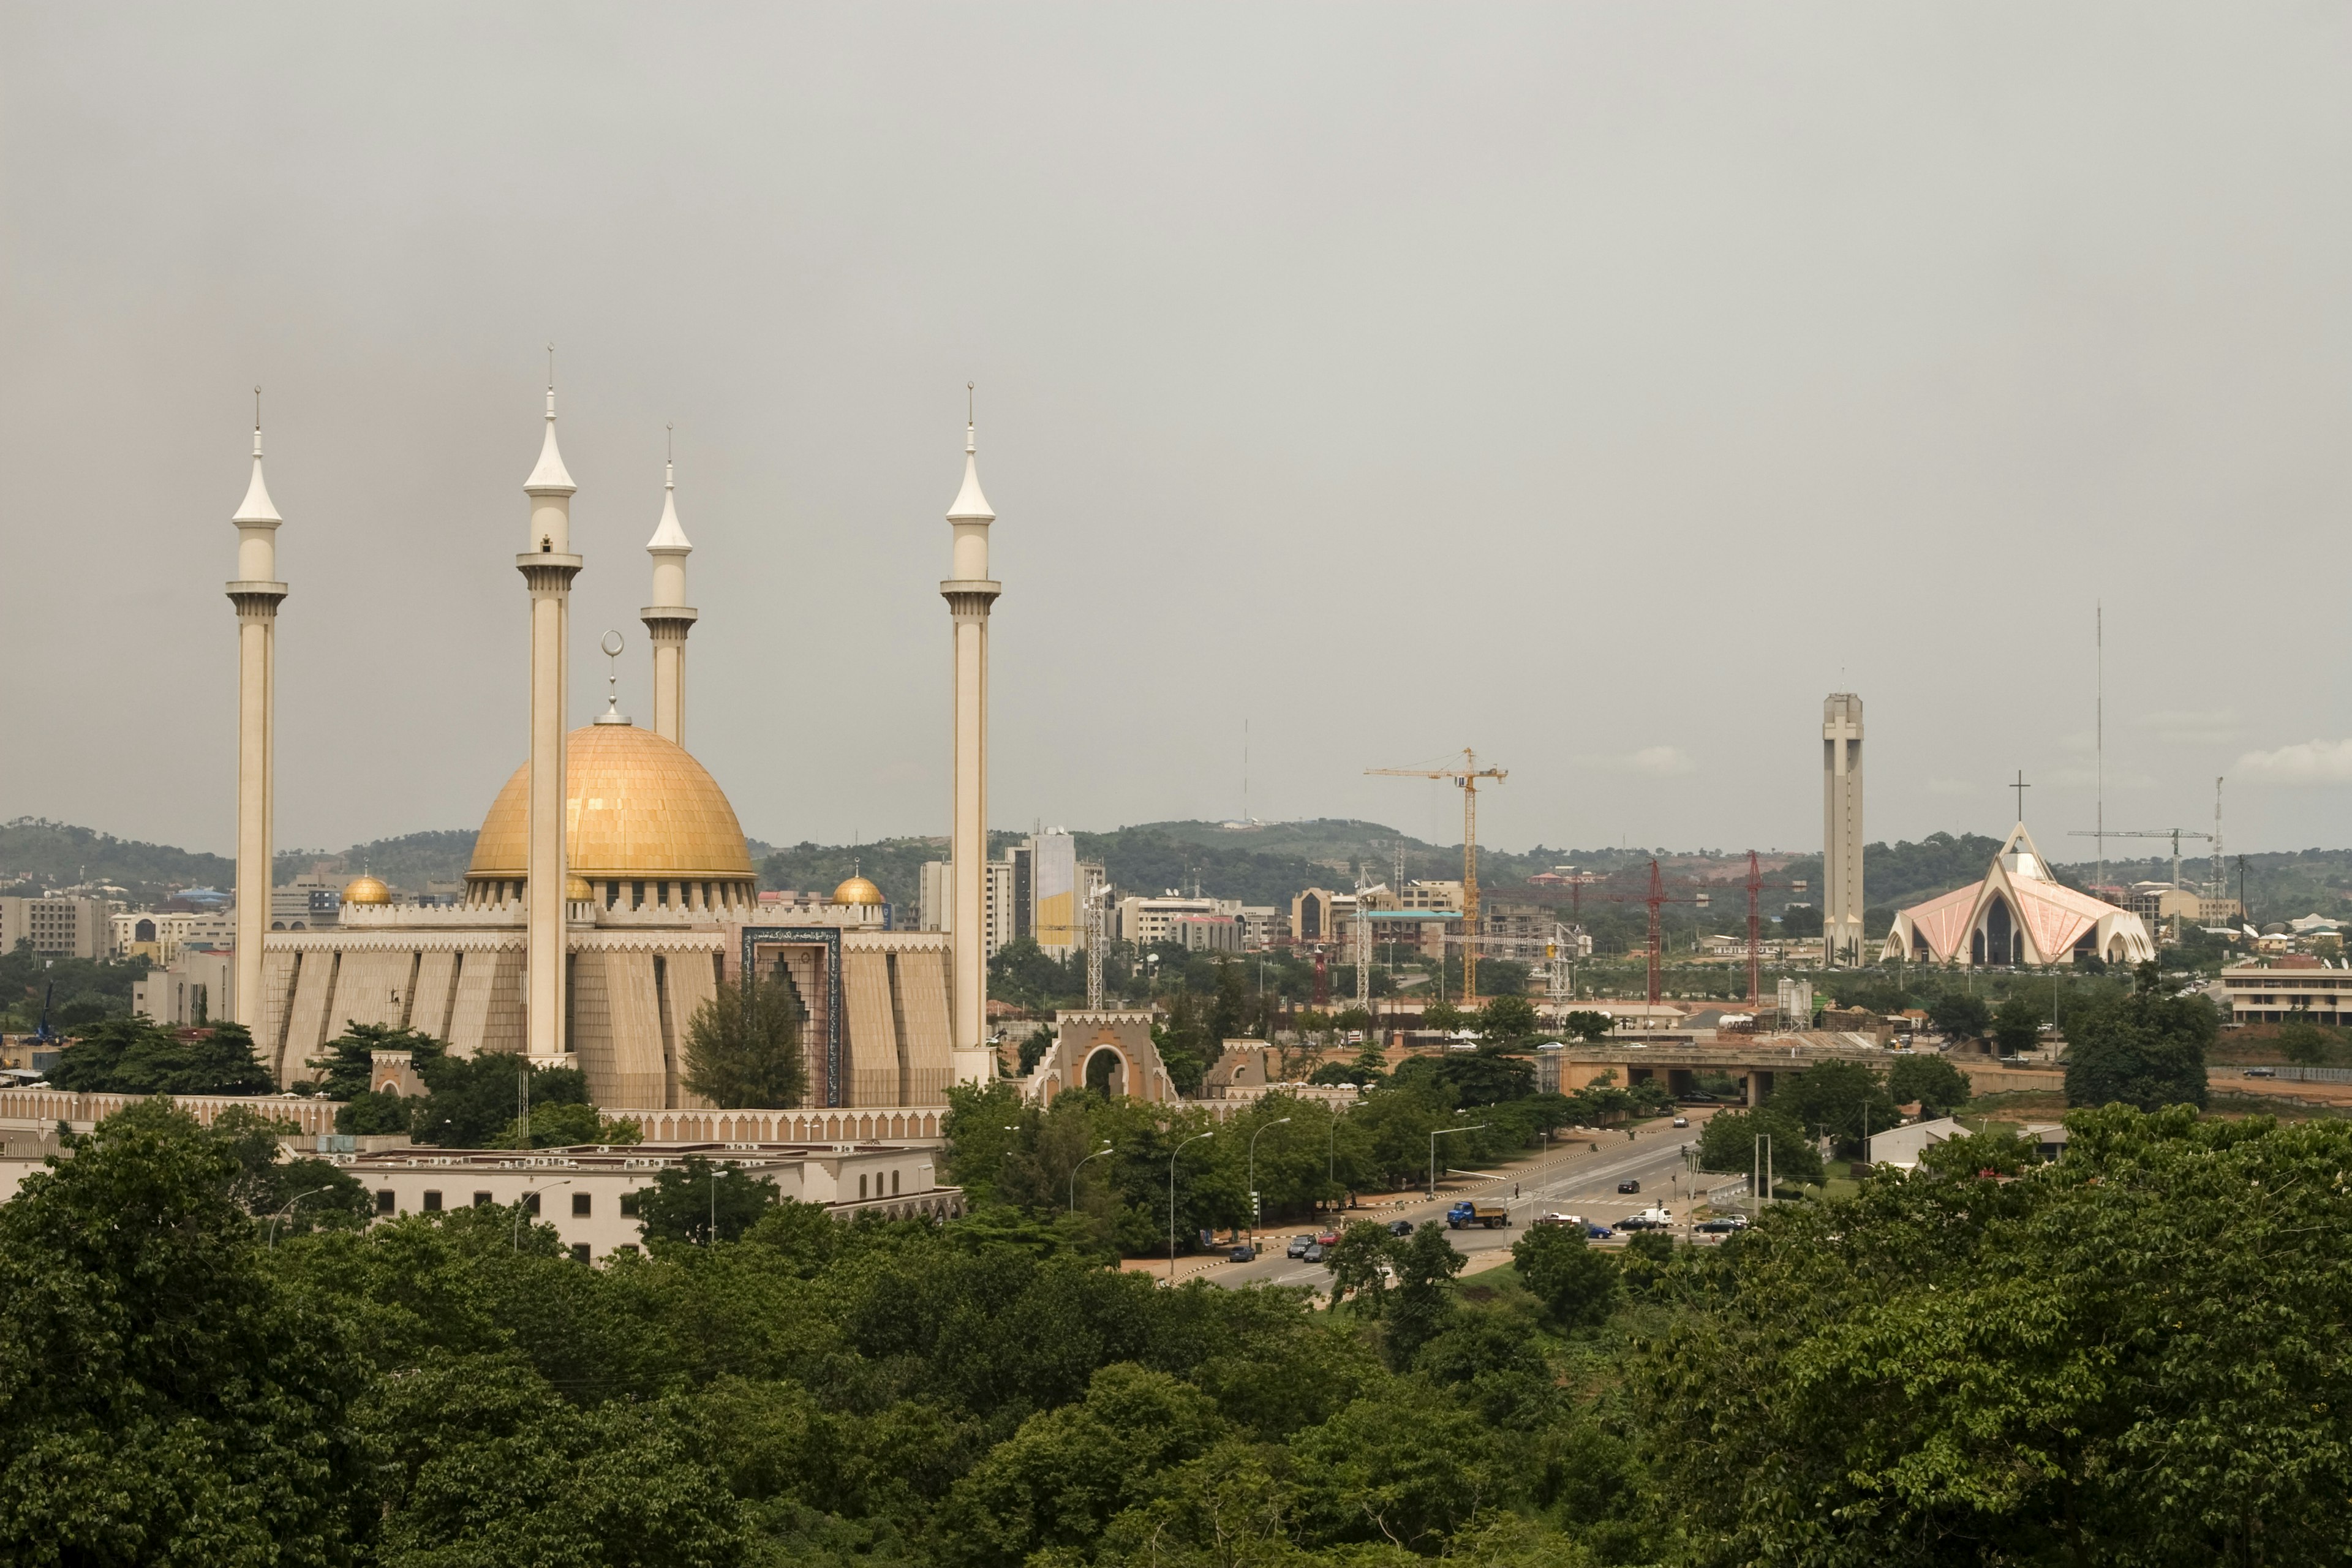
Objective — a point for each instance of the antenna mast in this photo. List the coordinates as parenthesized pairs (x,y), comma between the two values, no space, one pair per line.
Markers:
(2099,821)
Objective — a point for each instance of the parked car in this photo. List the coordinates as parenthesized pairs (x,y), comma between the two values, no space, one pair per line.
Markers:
(1328,1240)
(1399,1228)
(1681,1121)
(1313,1254)
(1628,1186)
(1598,1233)
(1299,1244)
(1242,1253)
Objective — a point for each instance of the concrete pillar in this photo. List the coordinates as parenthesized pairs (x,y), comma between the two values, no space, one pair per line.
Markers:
(969,593)
(257,594)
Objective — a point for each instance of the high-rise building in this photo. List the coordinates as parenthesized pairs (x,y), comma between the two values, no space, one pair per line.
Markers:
(1841,828)
(59,927)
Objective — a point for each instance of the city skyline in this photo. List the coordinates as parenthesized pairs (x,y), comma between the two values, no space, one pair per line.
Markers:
(1615,357)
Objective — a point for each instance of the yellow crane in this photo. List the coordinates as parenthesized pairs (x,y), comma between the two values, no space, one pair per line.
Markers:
(1465,778)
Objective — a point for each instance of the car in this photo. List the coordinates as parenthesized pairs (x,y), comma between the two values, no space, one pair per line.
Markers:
(1299,1244)
(1242,1253)
(2262,1072)
(1328,1240)
(1399,1228)
(1598,1233)
(1558,1218)
(1313,1254)
(1722,1225)
(1681,1121)
(1628,1186)
(1639,1222)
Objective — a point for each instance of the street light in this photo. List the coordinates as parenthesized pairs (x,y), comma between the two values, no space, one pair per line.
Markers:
(1443,1132)
(1278,1121)
(1081,1165)
(526,1193)
(287,1212)
(1172,1200)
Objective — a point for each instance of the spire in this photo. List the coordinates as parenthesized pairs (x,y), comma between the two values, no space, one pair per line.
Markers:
(971,506)
(667,535)
(257,506)
(551,476)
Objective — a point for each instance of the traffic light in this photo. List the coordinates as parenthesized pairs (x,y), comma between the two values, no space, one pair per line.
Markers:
(1254,1208)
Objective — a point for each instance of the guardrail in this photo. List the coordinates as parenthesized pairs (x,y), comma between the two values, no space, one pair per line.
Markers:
(2315,1075)
(1729,1191)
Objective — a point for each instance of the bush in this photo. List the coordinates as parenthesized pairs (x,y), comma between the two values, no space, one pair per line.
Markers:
(1576,1283)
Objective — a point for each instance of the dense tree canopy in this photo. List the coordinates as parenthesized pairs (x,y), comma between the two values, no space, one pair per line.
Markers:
(2147,1050)
(137,1055)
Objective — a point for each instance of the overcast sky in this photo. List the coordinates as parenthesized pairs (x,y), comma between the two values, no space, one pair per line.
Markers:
(1595,385)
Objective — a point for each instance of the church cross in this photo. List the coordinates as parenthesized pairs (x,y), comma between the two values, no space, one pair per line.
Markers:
(2021,786)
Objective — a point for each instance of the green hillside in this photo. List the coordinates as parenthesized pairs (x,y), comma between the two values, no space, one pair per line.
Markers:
(36,853)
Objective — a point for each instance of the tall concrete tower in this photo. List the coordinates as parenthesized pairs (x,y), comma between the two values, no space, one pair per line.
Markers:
(667,619)
(256,592)
(968,594)
(548,567)
(1842,827)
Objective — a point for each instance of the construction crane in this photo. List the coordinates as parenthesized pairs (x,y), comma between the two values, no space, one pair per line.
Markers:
(1465,778)
(2174,834)
(1756,885)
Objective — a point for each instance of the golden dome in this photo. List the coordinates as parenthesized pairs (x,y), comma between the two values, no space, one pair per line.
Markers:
(858,891)
(577,890)
(640,807)
(366,889)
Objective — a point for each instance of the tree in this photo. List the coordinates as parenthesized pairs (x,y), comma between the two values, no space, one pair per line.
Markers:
(1576,1283)
(1842,1099)
(2128,1356)
(2147,1050)
(2305,1042)
(472,1100)
(1362,1266)
(1728,1144)
(1505,1023)
(1800,921)
(347,1062)
(1476,1078)
(570,1125)
(306,1191)
(135,1056)
(2017,1026)
(685,1199)
(1960,1015)
(1937,1085)
(1443,1015)
(743,1047)
(1423,1306)
(1586,1025)
(163,1401)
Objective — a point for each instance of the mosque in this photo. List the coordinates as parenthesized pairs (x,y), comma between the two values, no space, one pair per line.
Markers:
(2020,913)
(611,891)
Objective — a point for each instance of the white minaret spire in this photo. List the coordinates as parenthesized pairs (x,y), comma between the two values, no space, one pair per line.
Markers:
(548,567)
(970,592)
(668,618)
(256,592)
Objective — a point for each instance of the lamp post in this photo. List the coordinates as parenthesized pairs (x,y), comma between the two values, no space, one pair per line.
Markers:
(287,1213)
(1172,1199)
(1278,1121)
(520,1202)
(1433,1137)
(1081,1165)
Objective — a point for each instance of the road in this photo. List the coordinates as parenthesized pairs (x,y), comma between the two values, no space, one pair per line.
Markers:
(1583,1183)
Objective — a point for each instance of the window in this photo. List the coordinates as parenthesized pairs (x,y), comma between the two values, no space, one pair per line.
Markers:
(579,1205)
(530,1205)
(629,1207)
(894,1184)
(861,1189)
(579,1252)
(481,1200)
(385,1201)
(433,1203)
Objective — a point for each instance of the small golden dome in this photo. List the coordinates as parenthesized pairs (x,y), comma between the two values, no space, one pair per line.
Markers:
(858,891)
(366,889)
(577,889)
(639,807)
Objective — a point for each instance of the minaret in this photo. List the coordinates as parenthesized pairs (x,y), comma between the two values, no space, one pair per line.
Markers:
(548,567)
(1841,900)
(256,592)
(667,619)
(968,594)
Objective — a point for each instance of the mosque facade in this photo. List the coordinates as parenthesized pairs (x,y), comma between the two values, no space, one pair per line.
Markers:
(657,902)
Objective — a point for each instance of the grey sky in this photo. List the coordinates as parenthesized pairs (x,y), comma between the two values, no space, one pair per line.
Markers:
(1595,385)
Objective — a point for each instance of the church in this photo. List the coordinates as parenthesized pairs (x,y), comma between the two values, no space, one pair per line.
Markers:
(611,890)
(2019,914)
